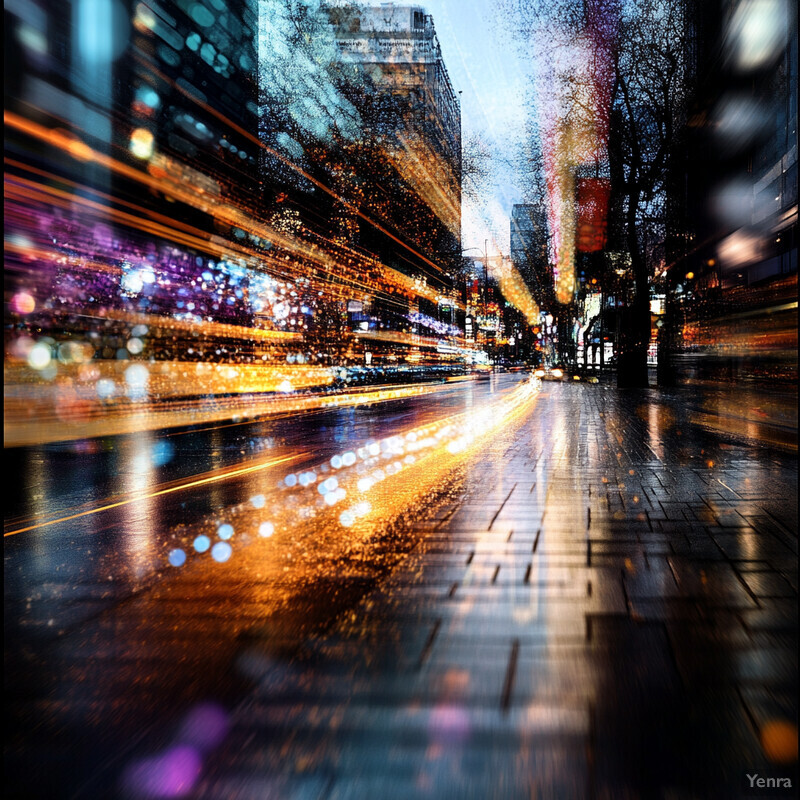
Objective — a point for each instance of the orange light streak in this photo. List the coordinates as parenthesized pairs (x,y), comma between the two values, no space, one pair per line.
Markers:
(198,240)
(98,420)
(242,132)
(179,488)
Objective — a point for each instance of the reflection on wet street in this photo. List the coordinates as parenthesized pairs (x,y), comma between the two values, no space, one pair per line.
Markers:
(400,400)
(511,589)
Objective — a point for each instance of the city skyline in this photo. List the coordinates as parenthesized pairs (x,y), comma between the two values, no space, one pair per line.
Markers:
(400,399)
(482,57)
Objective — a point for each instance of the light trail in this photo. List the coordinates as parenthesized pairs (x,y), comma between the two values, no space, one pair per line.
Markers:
(209,329)
(450,439)
(157,179)
(29,191)
(170,490)
(51,424)
(341,504)
(223,212)
(254,140)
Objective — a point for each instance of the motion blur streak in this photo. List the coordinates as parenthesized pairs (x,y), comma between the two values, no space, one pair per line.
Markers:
(295,168)
(193,196)
(366,487)
(226,475)
(43,413)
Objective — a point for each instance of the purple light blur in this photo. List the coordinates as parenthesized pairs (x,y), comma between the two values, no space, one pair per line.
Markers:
(171,774)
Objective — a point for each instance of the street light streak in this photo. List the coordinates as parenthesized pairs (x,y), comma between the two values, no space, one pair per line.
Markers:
(179,413)
(223,212)
(299,170)
(201,482)
(159,225)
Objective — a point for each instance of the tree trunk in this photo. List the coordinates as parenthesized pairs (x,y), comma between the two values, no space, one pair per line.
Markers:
(635,331)
(667,343)
(634,340)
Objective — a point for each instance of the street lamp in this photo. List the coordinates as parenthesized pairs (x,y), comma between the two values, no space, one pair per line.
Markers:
(485,252)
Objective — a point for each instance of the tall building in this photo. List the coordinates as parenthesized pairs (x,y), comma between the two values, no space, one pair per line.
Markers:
(362,135)
(732,250)
(408,103)
(529,251)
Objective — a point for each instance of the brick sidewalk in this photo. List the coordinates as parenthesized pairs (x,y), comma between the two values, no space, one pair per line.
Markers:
(606,609)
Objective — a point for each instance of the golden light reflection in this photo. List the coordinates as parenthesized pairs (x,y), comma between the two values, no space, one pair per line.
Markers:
(140,519)
(43,413)
(182,486)
(344,502)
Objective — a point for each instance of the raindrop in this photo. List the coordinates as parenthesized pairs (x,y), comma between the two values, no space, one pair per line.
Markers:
(225,531)
(221,551)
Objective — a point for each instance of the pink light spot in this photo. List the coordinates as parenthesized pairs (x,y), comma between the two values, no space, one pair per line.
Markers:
(23,303)
(171,774)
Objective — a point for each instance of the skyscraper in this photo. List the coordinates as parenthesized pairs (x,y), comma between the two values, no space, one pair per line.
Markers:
(529,251)
(408,104)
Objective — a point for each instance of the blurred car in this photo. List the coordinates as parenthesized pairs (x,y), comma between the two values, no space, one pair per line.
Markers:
(555,373)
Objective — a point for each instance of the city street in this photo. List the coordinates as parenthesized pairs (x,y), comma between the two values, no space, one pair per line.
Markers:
(400,400)
(503,588)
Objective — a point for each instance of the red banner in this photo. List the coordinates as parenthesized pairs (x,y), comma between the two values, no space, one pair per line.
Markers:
(593,197)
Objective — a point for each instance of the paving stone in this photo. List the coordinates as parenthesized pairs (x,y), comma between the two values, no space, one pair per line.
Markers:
(593,613)
(769,584)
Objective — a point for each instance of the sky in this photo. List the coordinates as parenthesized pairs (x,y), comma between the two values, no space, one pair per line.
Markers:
(484,65)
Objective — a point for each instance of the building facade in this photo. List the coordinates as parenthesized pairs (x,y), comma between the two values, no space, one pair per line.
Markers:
(363,157)
(732,252)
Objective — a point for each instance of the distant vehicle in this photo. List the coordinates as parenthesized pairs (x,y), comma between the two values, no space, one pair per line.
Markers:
(555,373)
(483,372)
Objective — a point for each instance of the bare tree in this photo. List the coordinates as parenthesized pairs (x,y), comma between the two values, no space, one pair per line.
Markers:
(647,117)
(636,124)
(477,166)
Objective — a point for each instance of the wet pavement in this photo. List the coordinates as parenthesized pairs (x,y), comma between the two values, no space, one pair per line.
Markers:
(594,598)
